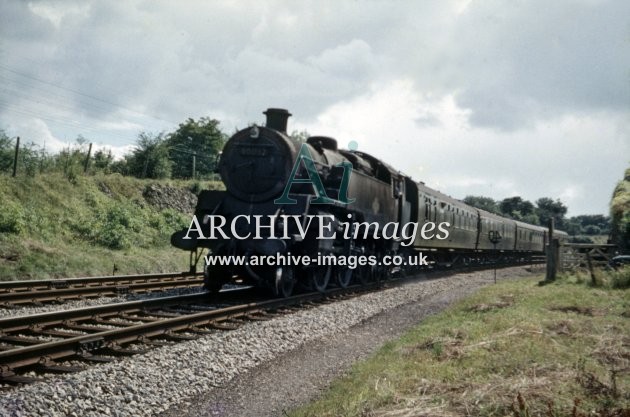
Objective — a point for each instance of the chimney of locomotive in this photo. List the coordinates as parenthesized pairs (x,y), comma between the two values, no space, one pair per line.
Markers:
(277,119)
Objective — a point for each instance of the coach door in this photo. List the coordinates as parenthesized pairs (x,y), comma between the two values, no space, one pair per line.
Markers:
(408,201)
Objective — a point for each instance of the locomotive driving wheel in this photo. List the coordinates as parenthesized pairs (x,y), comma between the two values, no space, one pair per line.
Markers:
(343,276)
(366,274)
(213,278)
(318,277)
(284,282)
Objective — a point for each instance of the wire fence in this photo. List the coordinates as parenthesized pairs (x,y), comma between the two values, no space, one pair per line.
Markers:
(20,158)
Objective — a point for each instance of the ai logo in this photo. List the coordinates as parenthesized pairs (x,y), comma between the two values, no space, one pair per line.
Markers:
(304,156)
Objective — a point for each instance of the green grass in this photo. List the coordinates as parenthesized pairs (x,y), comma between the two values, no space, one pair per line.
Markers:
(51,226)
(511,349)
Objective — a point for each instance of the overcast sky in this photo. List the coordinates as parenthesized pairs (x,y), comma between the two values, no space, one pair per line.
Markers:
(494,98)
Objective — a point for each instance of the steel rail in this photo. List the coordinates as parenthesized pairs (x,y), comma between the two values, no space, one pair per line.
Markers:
(21,292)
(156,323)
(81,345)
(24,323)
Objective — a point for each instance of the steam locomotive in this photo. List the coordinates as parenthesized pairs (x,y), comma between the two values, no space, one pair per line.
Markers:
(288,200)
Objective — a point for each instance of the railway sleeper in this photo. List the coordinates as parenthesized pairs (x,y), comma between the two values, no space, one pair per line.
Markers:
(19,380)
(19,340)
(154,342)
(223,325)
(56,333)
(161,314)
(145,319)
(83,327)
(200,308)
(257,317)
(48,365)
(107,322)
(268,314)
(58,284)
(178,337)
(200,330)
(122,290)
(88,357)
(117,350)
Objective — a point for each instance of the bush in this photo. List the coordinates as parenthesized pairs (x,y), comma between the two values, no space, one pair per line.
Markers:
(196,188)
(12,219)
(162,224)
(592,230)
(620,278)
(580,239)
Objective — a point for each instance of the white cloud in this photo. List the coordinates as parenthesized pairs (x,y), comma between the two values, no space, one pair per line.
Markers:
(56,12)
(496,98)
(568,157)
(37,131)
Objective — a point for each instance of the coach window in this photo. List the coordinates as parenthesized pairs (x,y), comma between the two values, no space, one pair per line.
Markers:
(397,188)
(435,210)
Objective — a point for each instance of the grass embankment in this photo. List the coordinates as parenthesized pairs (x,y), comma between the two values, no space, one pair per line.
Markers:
(54,227)
(514,348)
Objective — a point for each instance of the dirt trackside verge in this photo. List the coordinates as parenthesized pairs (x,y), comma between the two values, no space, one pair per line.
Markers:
(515,349)
(301,375)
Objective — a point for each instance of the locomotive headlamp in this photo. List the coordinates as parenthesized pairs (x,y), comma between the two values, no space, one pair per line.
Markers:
(254,132)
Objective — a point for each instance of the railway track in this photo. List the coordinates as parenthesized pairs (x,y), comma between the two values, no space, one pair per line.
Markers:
(44,343)
(59,290)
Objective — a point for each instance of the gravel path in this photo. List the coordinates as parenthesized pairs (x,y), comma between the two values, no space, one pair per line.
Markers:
(198,377)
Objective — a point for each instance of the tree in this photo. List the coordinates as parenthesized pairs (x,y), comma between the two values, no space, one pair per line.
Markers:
(201,140)
(573,227)
(531,218)
(620,214)
(592,230)
(516,207)
(598,220)
(547,208)
(7,148)
(102,160)
(483,203)
(300,135)
(150,158)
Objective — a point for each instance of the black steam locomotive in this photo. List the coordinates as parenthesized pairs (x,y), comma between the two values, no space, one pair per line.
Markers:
(287,201)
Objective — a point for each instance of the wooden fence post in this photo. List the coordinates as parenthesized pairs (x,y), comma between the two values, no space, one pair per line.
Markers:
(87,159)
(15,159)
(553,253)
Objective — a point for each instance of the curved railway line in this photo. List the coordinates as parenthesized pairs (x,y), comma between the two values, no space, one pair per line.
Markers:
(41,342)
(46,342)
(59,290)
